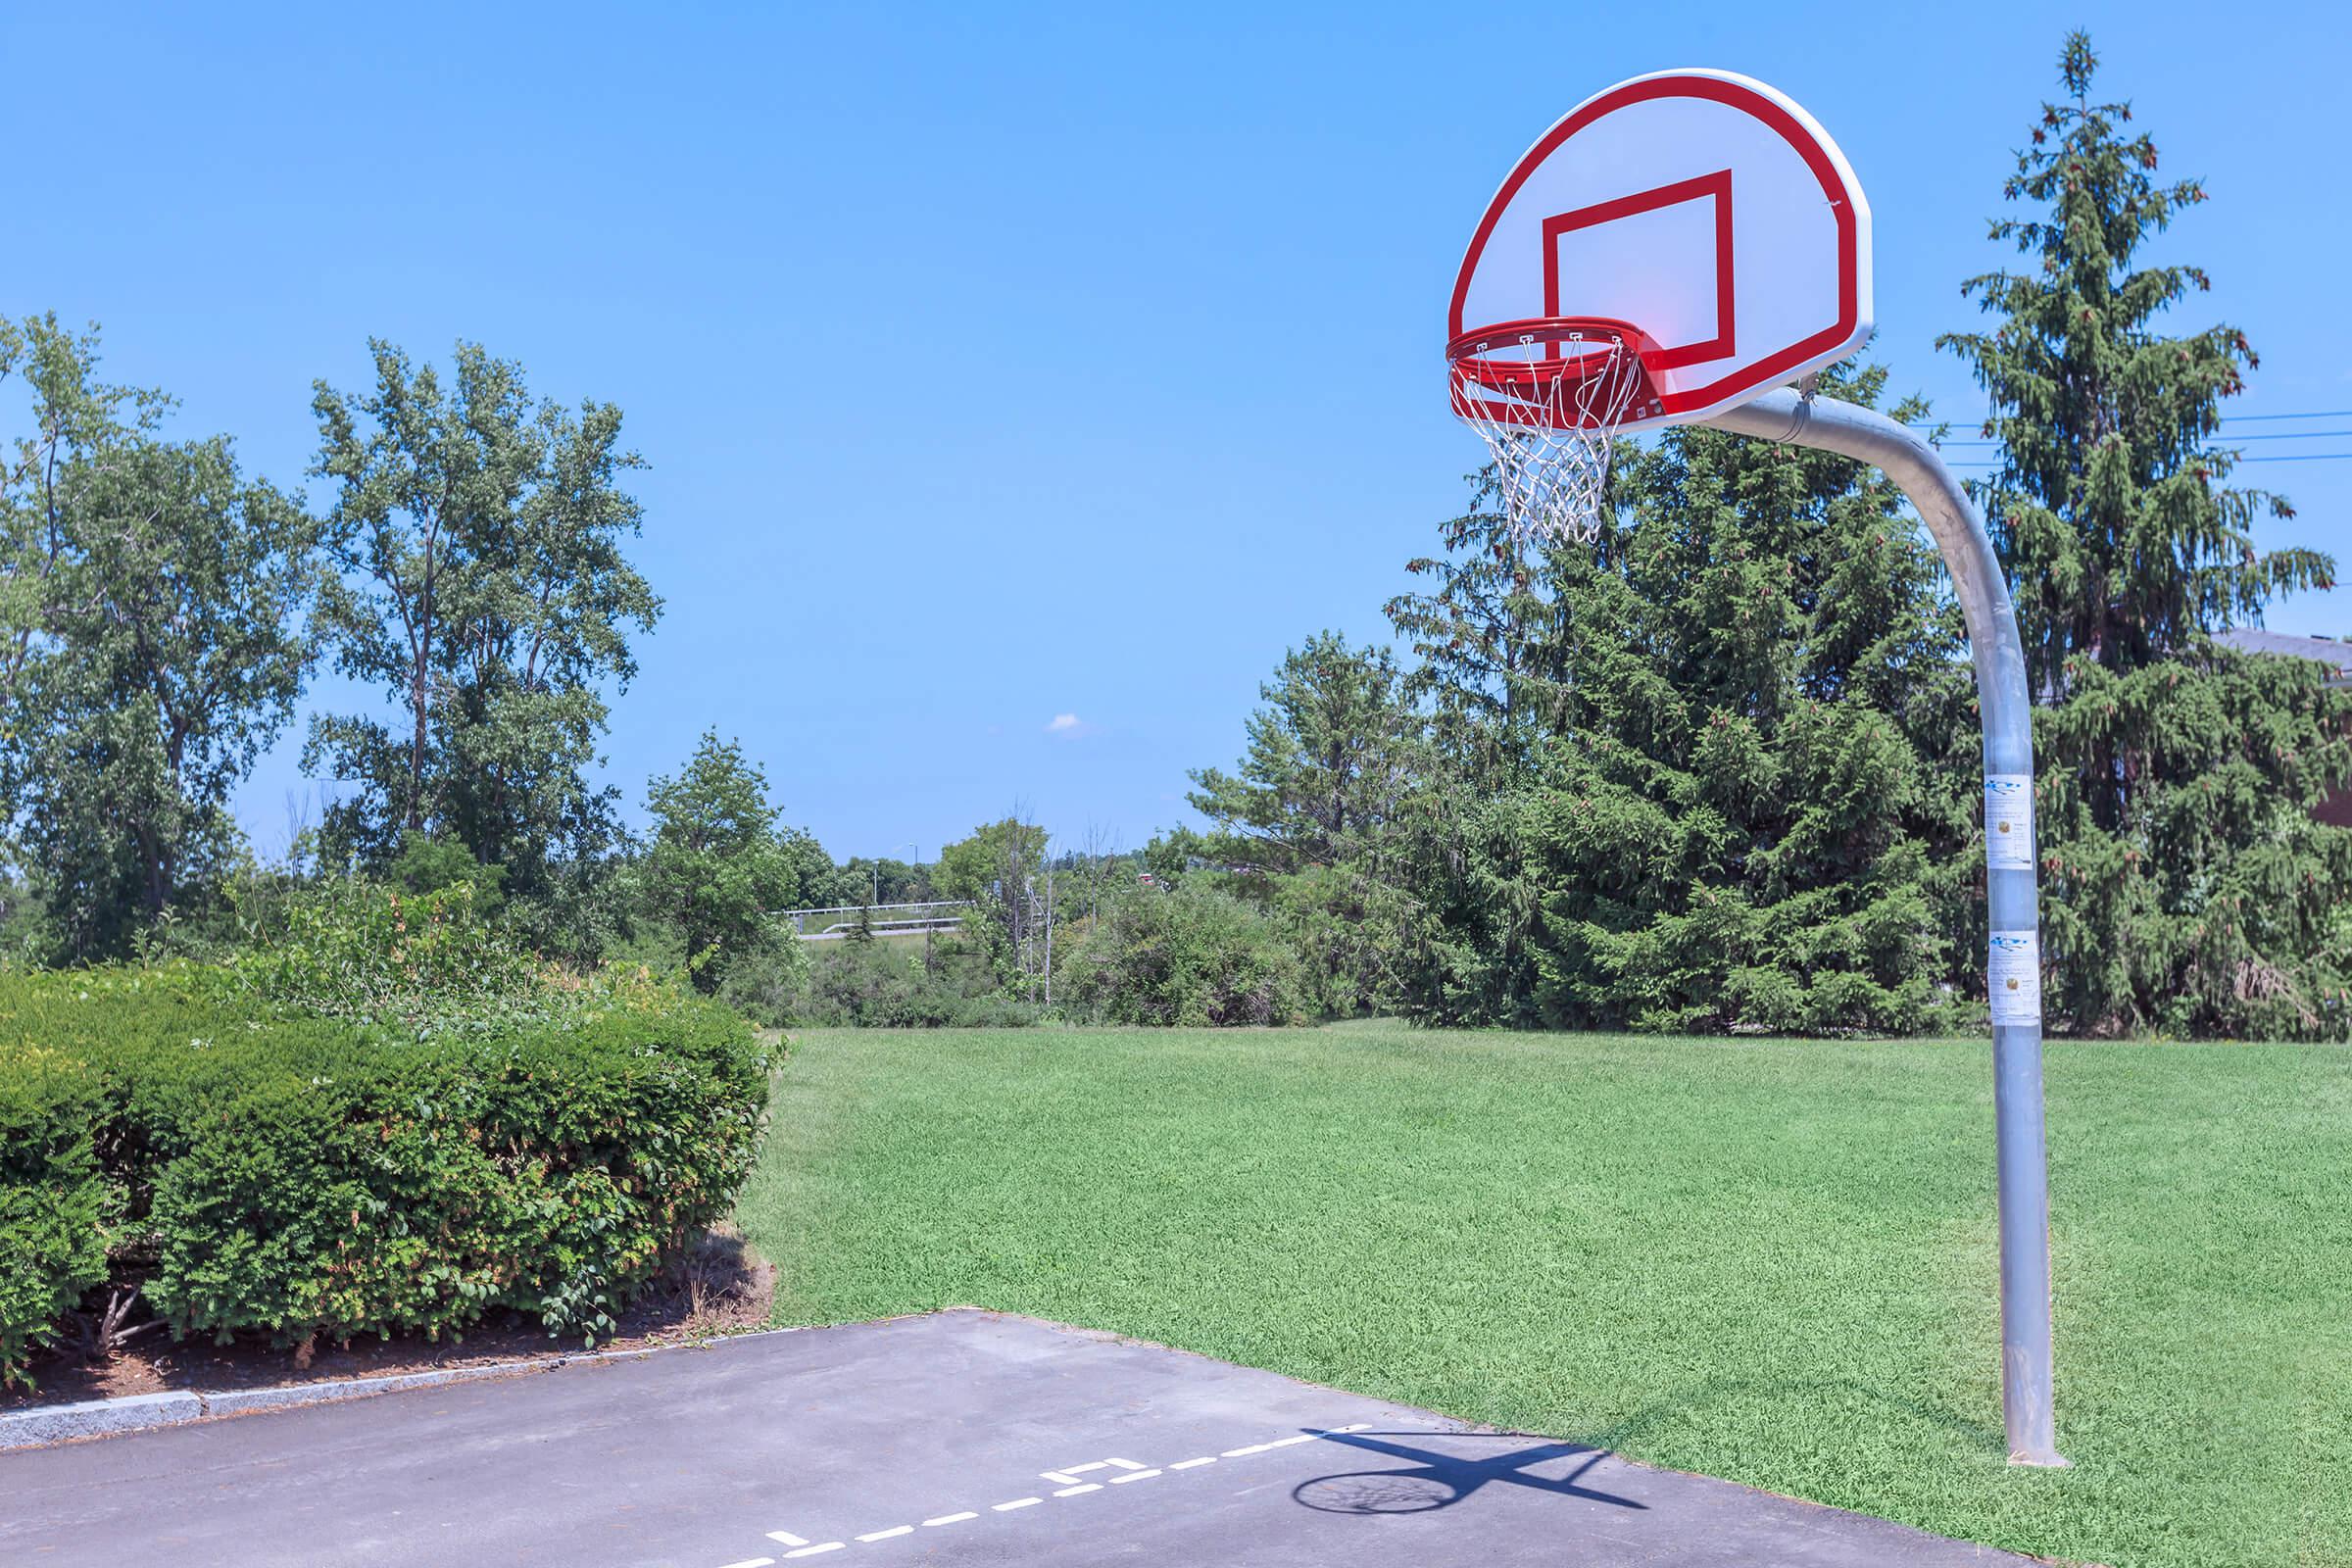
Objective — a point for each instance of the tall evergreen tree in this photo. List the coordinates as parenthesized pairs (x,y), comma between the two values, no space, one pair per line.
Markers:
(1751,810)
(1487,633)
(1319,815)
(1328,761)
(2187,886)
(1712,771)
(1490,634)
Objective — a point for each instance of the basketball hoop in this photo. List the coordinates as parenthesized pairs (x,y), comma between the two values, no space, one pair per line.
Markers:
(1547,396)
(1623,211)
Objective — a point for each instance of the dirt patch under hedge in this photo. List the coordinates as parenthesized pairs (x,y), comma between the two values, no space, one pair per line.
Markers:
(722,1288)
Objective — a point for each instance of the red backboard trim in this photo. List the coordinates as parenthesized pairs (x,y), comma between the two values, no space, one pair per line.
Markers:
(1717,186)
(1751,378)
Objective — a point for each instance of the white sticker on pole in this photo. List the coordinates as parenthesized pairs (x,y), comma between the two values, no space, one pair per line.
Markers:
(2009,821)
(2013,970)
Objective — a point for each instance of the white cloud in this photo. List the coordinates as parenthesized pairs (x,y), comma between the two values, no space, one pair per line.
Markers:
(1064,724)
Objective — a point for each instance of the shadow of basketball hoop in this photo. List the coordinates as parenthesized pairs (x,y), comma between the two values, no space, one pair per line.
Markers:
(1375,1492)
(1434,1481)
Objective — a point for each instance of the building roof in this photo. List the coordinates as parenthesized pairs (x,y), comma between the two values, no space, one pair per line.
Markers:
(2337,655)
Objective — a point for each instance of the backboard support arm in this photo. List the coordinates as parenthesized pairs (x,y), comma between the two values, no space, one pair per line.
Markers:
(2006,706)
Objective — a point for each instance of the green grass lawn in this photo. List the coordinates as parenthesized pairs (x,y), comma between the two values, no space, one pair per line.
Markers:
(1770,1261)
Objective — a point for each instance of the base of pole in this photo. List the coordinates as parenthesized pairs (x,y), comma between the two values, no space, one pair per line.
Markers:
(2041,1461)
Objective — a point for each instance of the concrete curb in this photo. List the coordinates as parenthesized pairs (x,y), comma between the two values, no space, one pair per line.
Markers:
(45,1424)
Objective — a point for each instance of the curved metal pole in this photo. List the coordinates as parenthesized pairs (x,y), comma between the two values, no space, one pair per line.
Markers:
(2013,958)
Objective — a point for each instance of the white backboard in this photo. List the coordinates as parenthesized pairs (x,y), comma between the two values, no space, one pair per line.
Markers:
(1702,207)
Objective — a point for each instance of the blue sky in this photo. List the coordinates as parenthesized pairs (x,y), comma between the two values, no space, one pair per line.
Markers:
(1174,278)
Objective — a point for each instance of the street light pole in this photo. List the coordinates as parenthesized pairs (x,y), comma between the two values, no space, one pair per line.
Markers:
(2014,956)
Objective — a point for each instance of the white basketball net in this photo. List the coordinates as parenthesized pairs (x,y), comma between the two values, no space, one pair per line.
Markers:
(1547,411)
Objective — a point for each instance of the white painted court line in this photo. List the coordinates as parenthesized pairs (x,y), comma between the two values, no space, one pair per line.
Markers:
(1071,1487)
(1071,1471)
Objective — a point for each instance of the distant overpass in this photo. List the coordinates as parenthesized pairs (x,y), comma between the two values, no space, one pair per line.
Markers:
(882,919)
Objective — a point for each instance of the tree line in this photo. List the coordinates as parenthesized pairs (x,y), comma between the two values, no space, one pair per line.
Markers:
(1718,772)
(161,612)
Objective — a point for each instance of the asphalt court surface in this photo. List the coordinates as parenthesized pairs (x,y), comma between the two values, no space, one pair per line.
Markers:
(963,1437)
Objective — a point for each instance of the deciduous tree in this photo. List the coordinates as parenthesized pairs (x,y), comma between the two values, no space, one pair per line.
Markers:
(482,588)
(157,644)
(716,868)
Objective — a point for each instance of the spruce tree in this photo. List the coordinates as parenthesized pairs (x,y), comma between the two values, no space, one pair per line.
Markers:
(1315,823)
(2186,887)
(1712,771)
(1490,637)
(1751,811)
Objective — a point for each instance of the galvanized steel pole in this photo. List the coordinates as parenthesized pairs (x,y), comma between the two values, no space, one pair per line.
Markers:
(2014,961)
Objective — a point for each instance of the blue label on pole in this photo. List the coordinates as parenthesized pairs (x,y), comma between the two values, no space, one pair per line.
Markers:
(2009,821)
(2013,972)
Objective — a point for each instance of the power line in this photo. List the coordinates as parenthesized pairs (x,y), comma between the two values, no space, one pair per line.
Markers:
(2292,435)
(2226,418)
(2287,457)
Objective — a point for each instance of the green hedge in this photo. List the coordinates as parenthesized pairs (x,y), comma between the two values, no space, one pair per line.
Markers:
(53,1200)
(257,1169)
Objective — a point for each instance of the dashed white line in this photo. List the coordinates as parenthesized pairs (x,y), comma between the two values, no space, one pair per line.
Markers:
(1072,1487)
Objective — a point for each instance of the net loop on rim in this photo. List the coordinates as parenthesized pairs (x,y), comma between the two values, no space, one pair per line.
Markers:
(1547,396)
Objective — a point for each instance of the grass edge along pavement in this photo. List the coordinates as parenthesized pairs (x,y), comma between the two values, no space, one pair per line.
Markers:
(1772,1261)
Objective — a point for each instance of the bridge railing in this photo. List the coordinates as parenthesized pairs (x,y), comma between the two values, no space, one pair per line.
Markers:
(837,921)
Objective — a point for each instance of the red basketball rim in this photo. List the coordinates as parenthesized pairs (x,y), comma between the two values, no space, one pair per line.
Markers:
(1578,350)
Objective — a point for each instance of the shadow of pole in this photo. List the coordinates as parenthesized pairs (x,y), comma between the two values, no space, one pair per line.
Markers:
(1433,1479)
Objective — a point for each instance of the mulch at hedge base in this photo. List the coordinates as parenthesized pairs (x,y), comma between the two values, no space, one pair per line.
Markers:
(726,1288)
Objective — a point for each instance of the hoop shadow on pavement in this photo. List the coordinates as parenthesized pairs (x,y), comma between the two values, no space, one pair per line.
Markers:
(1434,1479)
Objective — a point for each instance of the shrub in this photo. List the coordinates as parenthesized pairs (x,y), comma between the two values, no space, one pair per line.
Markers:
(1188,955)
(51,1198)
(301,1176)
(769,985)
(887,985)
(432,961)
